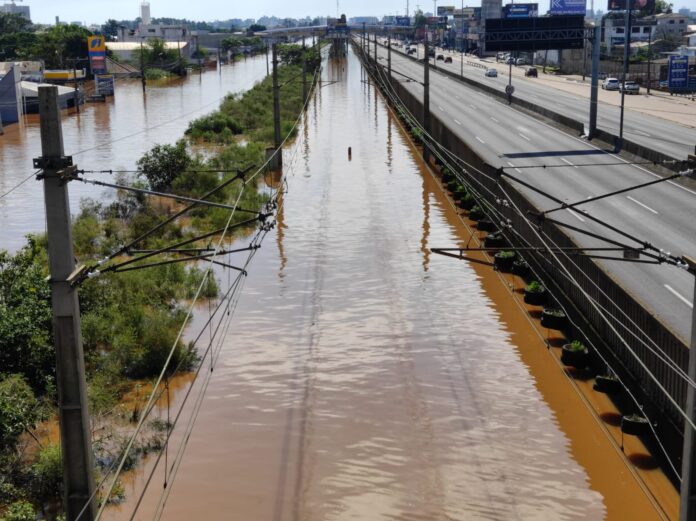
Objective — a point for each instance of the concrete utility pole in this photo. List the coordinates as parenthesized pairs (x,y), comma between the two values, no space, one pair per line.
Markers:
(595,82)
(688,484)
(627,50)
(142,65)
(389,54)
(277,163)
(426,96)
(76,443)
(304,72)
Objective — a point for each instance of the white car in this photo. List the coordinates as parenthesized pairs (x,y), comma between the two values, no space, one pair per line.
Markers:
(611,84)
(492,73)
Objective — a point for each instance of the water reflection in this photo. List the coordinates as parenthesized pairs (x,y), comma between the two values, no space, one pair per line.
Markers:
(353,386)
(109,136)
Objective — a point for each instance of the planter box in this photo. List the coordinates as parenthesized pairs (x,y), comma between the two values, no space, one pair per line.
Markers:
(536,298)
(578,359)
(503,263)
(520,268)
(635,425)
(551,320)
(494,240)
(607,384)
(466,203)
(476,214)
(485,225)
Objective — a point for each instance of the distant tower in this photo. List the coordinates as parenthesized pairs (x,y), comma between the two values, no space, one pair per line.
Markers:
(145,13)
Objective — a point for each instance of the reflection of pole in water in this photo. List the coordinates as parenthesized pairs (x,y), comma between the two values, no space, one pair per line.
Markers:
(280,234)
(305,132)
(390,145)
(426,226)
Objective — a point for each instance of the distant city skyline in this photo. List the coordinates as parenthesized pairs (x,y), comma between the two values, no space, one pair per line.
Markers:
(45,11)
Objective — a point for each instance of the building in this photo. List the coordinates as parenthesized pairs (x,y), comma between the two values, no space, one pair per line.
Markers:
(670,25)
(12,8)
(489,9)
(145,13)
(148,31)
(367,20)
(614,29)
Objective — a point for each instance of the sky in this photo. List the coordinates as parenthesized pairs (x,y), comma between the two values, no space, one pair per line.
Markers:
(98,11)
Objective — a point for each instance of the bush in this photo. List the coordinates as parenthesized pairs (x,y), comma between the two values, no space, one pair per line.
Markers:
(213,126)
(506,254)
(577,345)
(18,409)
(20,511)
(163,164)
(47,475)
(534,287)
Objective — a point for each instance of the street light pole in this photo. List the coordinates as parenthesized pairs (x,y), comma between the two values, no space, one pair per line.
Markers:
(688,483)
(426,97)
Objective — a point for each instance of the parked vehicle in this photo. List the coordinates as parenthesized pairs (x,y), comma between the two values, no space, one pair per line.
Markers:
(411,51)
(611,84)
(631,87)
(521,61)
(492,73)
(531,72)
(441,57)
(448,59)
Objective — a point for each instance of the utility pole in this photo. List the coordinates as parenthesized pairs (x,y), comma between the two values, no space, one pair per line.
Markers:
(76,95)
(688,484)
(268,70)
(595,81)
(426,97)
(142,65)
(389,54)
(627,49)
(304,72)
(278,161)
(76,444)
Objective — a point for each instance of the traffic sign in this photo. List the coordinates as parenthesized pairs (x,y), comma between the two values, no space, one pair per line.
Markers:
(509,90)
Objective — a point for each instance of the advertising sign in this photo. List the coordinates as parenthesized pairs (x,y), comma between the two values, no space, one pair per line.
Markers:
(96,46)
(568,7)
(678,73)
(445,10)
(535,34)
(403,21)
(637,5)
(520,10)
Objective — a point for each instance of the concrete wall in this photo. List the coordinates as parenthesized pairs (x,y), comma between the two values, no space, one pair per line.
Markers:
(10,96)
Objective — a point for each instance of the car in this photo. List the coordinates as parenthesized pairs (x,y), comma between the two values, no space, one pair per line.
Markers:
(531,72)
(610,84)
(448,59)
(521,61)
(492,73)
(440,57)
(631,87)
(412,51)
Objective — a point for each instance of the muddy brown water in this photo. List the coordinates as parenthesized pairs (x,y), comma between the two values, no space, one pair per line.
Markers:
(365,378)
(109,136)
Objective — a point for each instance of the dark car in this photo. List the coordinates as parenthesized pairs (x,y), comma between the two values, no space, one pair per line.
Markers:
(441,57)
(448,59)
(532,72)
(431,53)
(412,51)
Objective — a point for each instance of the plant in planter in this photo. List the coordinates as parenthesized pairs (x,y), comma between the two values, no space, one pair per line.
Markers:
(607,384)
(553,318)
(503,260)
(485,225)
(447,175)
(467,201)
(535,293)
(476,213)
(520,267)
(453,185)
(494,240)
(575,354)
(459,192)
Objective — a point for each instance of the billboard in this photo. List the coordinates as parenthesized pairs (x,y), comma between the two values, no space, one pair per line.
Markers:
(636,5)
(534,34)
(678,73)
(520,10)
(568,7)
(445,10)
(403,21)
(96,46)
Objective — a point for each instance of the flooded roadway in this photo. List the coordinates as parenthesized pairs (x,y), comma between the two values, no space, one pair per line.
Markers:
(364,378)
(110,136)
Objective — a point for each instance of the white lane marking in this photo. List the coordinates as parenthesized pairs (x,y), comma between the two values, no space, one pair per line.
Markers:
(523,136)
(641,204)
(472,106)
(440,108)
(480,140)
(458,122)
(458,97)
(679,296)
(509,163)
(493,119)
(568,162)
(576,215)
(518,170)
(640,132)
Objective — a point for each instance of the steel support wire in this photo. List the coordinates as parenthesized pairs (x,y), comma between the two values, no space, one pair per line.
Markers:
(188,258)
(611,326)
(164,195)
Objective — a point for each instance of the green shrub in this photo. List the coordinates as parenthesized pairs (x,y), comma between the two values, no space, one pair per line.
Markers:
(18,409)
(20,511)
(163,164)
(506,254)
(47,475)
(534,287)
(577,345)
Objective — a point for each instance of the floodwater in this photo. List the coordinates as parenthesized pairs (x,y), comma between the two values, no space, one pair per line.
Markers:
(110,136)
(364,378)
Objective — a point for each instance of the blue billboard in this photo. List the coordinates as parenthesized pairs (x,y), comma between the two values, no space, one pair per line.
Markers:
(403,21)
(678,75)
(520,10)
(568,7)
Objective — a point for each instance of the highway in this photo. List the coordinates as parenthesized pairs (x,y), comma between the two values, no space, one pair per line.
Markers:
(661,135)
(661,214)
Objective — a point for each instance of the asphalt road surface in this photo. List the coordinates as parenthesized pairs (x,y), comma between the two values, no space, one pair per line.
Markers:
(661,135)
(662,214)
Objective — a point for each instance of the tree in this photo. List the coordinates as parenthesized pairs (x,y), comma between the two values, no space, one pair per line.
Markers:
(59,43)
(18,409)
(256,28)
(13,23)
(110,29)
(419,19)
(163,164)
